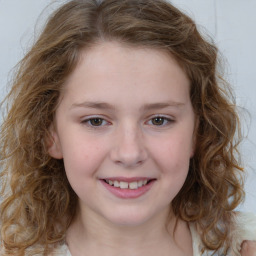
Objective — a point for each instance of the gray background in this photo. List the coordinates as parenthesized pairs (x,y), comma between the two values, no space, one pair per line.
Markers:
(230,22)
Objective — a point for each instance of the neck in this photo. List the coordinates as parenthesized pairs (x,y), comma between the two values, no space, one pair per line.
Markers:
(93,235)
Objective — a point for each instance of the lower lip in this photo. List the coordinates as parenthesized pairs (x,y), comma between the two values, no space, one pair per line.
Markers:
(128,193)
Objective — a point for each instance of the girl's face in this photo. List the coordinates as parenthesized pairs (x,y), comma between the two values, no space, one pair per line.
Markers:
(124,128)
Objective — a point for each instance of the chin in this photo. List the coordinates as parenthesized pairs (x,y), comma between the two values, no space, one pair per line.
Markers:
(129,219)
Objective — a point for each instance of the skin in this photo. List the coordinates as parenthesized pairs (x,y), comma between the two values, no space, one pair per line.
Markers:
(248,248)
(127,89)
(107,125)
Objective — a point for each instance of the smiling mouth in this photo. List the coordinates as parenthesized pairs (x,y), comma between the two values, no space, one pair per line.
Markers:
(127,185)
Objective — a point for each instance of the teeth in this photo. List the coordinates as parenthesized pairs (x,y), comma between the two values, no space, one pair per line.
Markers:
(133,185)
(116,184)
(126,185)
(123,184)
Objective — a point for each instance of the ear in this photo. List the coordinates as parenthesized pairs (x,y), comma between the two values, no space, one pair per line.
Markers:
(53,143)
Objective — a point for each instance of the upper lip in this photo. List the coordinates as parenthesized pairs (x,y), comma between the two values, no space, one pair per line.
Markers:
(126,179)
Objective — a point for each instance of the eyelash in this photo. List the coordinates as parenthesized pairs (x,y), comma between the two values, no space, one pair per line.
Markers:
(165,121)
(91,119)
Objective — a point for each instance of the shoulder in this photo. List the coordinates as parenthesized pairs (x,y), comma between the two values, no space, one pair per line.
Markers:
(248,248)
(37,250)
(62,250)
(244,229)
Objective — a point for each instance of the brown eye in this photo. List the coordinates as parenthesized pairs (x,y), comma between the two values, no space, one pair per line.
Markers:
(158,120)
(161,121)
(96,121)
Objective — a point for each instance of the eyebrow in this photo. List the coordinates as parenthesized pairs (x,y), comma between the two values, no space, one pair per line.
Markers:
(107,106)
(96,105)
(162,105)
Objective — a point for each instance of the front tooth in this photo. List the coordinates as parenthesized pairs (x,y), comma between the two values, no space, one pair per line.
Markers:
(116,184)
(123,184)
(133,185)
(140,183)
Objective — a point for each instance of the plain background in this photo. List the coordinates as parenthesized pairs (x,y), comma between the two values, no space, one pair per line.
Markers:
(231,23)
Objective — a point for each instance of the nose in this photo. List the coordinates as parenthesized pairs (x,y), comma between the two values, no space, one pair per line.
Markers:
(129,148)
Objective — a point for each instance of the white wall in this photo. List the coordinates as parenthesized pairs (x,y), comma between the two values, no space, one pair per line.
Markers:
(230,22)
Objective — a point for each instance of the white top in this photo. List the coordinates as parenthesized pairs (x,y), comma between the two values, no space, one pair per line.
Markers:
(245,229)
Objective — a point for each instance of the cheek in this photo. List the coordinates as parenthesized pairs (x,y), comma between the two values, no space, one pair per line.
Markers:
(173,158)
(82,157)
(174,152)
(81,166)
(175,168)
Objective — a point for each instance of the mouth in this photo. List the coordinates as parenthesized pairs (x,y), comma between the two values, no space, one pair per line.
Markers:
(128,188)
(133,185)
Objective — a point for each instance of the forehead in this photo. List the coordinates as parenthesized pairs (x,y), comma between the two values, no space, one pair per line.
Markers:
(127,54)
(117,69)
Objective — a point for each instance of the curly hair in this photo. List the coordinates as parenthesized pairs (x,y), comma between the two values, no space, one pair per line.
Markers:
(38,204)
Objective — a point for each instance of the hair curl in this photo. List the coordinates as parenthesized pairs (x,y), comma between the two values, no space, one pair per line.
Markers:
(38,203)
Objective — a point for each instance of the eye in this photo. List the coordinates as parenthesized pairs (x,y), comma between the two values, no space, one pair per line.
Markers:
(95,121)
(160,121)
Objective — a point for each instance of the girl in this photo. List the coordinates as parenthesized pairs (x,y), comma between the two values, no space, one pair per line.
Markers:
(120,139)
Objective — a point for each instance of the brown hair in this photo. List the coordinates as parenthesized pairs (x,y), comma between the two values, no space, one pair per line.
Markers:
(38,203)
